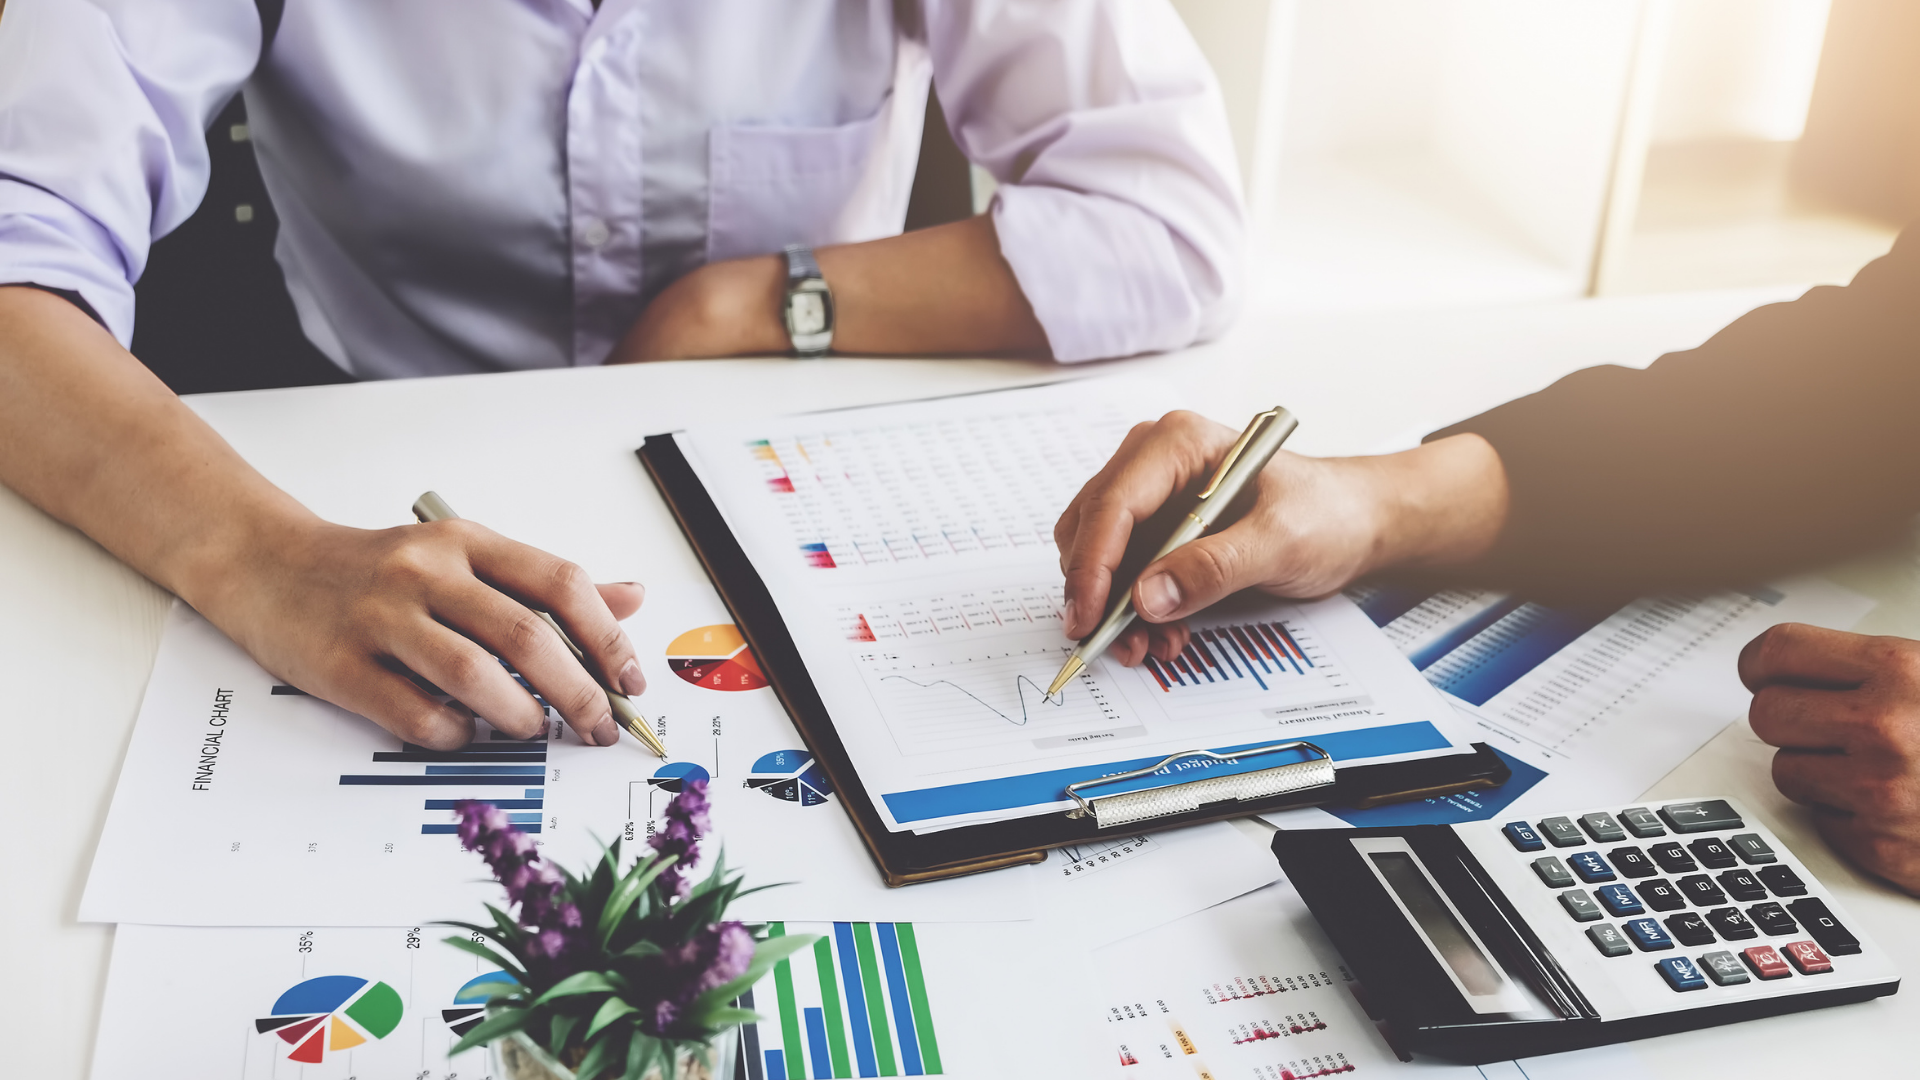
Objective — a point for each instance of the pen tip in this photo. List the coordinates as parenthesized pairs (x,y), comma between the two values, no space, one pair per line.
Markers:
(1060,681)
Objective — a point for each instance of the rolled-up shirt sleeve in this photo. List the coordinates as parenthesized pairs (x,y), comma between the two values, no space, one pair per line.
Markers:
(1119,206)
(103,110)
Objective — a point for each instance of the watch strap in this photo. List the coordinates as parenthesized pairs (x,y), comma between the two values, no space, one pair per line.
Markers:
(801,264)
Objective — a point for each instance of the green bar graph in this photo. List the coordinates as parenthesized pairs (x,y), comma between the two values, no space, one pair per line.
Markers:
(830,1001)
(876,1008)
(917,992)
(870,967)
(789,1014)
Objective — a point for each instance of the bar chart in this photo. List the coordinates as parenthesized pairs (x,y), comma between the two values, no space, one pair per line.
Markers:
(507,772)
(1262,655)
(856,1004)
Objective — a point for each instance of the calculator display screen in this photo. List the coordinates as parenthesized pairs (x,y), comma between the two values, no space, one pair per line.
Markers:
(1436,920)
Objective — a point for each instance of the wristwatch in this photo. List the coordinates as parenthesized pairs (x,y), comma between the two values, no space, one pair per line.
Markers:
(808,308)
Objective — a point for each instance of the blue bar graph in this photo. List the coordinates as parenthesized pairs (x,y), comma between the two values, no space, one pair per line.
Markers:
(776,1064)
(454,830)
(1251,653)
(897,989)
(536,793)
(817,1041)
(504,804)
(856,1000)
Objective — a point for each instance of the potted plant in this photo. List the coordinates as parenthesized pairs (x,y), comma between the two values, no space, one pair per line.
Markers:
(623,974)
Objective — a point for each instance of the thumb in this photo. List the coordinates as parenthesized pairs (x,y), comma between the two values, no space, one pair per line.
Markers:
(1193,578)
(623,598)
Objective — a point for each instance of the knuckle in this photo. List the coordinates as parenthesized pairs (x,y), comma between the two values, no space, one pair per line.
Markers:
(464,668)
(612,643)
(582,700)
(568,579)
(527,634)
(1213,565)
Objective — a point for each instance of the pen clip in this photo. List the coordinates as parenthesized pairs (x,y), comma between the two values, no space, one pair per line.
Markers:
(1239,447)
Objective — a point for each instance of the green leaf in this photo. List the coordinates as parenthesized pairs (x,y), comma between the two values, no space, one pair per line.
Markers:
(642,1052)
(722,1018)
(642,875)
(584,982)
(563,1025)
(640,950)
(504,1022)
(613,1009)
(596,1060)
(491,957)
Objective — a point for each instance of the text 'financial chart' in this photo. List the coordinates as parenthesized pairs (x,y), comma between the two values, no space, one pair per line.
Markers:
(898,493)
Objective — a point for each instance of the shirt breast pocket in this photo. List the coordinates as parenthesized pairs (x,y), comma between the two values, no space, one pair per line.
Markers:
(773,186)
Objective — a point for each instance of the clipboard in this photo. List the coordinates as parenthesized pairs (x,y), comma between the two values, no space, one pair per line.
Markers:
(1307,776)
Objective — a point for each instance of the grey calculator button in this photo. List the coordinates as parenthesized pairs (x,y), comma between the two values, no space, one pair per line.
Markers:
(1602,827)
(1609,940)
(1553,873)
(1725,968)
(1580,905)
(1561,832)
(1751,848)
(1642,822)
(1707,815)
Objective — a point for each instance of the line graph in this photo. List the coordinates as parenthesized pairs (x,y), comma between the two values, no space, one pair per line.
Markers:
(1022,685)
(983,700)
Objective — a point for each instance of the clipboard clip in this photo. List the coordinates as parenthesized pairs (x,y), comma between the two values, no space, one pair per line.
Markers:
(1126,808)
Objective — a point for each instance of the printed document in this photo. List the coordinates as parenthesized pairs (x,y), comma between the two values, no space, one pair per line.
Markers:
(910,548)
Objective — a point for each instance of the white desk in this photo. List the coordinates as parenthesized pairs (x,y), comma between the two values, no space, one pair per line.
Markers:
(548,458)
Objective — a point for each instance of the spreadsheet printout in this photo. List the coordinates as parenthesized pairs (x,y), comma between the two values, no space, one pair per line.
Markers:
(910,548)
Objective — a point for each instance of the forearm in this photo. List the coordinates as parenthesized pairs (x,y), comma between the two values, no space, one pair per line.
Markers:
(89,435)
(939,291)
(1783,442)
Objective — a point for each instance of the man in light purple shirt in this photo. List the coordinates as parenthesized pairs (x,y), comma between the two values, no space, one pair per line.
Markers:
(509,184)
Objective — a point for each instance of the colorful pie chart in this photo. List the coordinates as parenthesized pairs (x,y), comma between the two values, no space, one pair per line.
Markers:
(332,1012)
(470,1001)
(791,776)
(715,657)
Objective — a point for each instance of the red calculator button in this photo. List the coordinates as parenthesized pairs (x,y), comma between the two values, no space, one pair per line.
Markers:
(1807,957)
(1765,962)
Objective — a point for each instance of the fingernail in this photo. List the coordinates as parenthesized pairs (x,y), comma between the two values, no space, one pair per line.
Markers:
(1159,596)
(631,681)
(606,733)
(1073,615)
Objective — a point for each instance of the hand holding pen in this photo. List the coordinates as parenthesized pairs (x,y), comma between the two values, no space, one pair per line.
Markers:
(1311,525)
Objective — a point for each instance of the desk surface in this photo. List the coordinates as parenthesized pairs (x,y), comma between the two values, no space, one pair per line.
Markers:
(547,457)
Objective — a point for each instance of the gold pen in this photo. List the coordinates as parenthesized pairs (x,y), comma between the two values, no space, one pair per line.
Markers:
(1249,454)
(431,507)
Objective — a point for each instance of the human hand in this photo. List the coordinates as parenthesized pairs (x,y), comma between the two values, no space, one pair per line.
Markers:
(727,308)
(359,616)
(1315,525)
(1845,711)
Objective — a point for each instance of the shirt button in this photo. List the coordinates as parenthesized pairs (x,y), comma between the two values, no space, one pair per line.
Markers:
(593,233)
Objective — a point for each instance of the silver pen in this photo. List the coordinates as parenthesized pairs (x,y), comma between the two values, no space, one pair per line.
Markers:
(1249,454)
(431,507)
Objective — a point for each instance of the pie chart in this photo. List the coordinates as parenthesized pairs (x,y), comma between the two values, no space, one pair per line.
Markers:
(332,1012)
(673,776)
(716,658)
(791,776)
(470,1001)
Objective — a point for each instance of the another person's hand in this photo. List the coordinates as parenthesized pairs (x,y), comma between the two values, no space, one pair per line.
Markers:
(359,616)
(1316,525)
(1845,711)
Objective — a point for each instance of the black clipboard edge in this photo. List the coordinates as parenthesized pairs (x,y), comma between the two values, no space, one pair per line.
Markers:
(906,858)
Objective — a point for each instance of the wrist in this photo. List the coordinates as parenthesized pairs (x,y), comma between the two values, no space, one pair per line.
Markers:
(218,570)
(1443,503)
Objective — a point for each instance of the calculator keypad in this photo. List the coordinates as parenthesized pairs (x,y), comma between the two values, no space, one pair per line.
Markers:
(1691,876)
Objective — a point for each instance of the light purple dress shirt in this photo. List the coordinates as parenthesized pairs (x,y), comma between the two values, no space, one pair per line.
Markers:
(483,185)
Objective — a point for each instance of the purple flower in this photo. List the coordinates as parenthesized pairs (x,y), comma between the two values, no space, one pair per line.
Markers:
(714,956)
(532,883)
(687,822)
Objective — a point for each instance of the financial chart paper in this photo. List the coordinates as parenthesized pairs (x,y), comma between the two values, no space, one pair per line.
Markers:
(911,549)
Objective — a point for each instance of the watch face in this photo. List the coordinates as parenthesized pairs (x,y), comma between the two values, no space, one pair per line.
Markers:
(806,313)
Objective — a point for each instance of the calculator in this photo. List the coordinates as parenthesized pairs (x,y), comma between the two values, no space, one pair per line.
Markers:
(1489,940)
